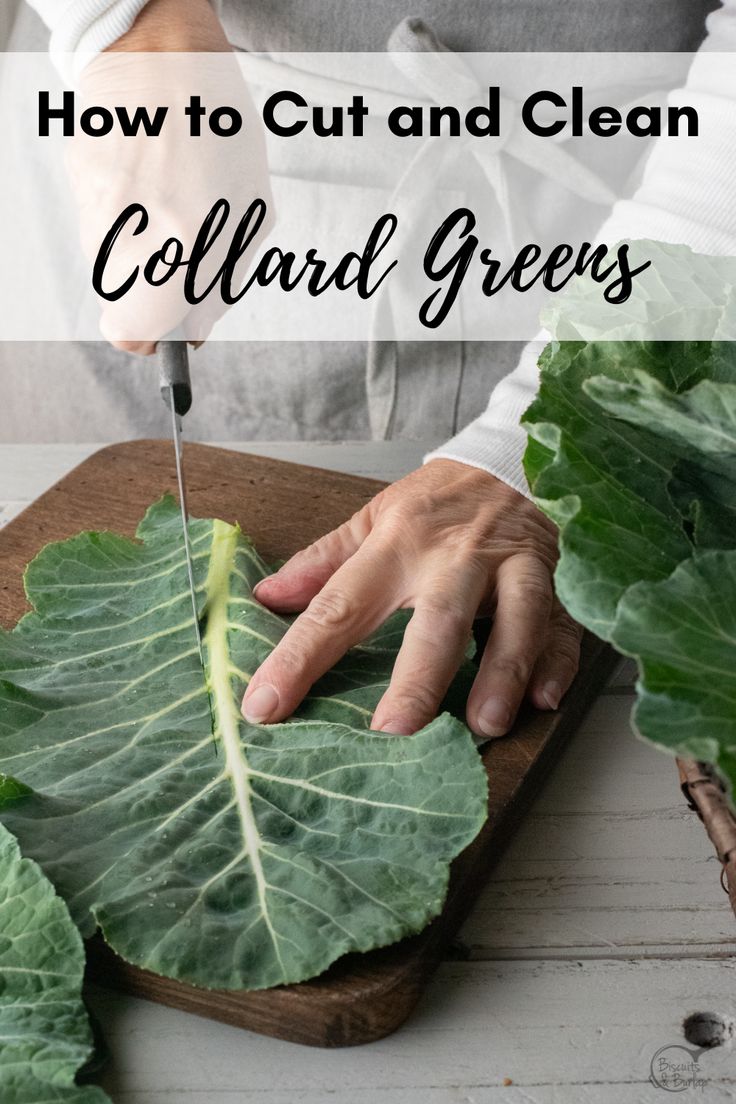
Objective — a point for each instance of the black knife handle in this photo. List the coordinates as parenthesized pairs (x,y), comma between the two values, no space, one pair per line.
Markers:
(173,374)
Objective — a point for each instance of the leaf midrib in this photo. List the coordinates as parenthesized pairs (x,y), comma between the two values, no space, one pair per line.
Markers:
(219,673)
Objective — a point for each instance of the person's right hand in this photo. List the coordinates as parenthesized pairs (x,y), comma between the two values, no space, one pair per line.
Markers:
(451,542)
(175,49)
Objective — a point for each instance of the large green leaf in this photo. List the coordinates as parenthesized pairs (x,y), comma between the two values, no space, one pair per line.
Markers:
(44,1031)
(241,861)
(699,426)
(684,632)
(680,295)
(604,481)
(633,453)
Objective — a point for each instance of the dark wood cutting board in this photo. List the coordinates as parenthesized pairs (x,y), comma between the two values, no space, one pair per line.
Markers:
(283,507)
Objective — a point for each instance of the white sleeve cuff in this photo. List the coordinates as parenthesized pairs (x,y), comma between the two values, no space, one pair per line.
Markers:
(82,29)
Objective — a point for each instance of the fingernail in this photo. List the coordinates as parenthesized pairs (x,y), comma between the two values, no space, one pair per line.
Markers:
(260,704)
(494,717)
(260,583)
(395,728)
(551,694)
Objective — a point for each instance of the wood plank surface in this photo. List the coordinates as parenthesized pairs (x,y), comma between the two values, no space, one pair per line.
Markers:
(561,1032)
(626,869)
(283,506)
(26,471)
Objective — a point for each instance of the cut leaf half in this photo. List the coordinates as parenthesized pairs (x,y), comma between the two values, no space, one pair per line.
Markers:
(246,860)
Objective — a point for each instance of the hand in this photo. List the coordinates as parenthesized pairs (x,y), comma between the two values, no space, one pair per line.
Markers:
(175,49)
(450,542)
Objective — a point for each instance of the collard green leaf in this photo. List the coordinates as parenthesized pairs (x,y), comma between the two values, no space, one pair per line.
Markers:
(244,861)
(605,482)
(684,632)
(680,295)
(44,1031)
(633,453)
(700,425)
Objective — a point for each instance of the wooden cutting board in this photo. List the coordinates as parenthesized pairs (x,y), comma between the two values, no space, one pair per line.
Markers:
(283,507)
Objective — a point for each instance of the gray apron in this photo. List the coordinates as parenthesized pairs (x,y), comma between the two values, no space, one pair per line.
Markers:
(324,390)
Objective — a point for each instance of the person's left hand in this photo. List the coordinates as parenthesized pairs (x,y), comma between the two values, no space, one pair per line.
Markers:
(451,542)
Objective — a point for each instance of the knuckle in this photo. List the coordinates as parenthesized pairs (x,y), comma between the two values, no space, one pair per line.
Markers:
(445,612)
(527,594)
(565,626)
(311,560)
(359,525)
(566,653)
(561,661)
(562,650)
(566,631)
(403,507)
(317,550)
(515,669)
(330,609)
(397,516)
(567,645)
(417,702)
(469,553)
(528,579)
(539,537)
(311,551)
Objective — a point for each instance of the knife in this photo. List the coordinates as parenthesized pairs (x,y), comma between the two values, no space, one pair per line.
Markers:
(176,390)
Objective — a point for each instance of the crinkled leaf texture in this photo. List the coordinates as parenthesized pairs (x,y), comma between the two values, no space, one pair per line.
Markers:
(680,295)
(633,454)
(244,861)
(44,1032)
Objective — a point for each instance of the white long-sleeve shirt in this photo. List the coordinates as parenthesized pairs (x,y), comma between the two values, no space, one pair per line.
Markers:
(683,199)
(85,27)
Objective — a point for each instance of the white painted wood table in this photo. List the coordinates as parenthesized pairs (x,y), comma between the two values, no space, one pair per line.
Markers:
(601,928)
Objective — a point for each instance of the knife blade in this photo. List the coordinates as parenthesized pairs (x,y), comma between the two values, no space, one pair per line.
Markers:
(176,390)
